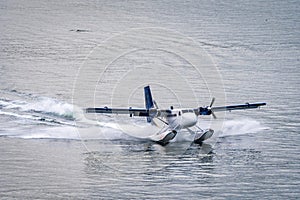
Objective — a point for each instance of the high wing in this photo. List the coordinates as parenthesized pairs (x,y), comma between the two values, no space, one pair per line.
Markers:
(238,107)
(140,112)
(131,111)
(208,110)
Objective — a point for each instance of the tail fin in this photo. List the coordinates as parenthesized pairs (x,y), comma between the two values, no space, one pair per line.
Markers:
(148,100)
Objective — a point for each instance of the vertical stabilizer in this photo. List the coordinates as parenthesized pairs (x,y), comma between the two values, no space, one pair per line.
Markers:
(148,100)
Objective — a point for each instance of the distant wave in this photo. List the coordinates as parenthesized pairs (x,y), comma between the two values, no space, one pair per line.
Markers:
(229,45)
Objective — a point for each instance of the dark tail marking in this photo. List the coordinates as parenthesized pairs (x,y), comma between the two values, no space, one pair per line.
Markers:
(148,100)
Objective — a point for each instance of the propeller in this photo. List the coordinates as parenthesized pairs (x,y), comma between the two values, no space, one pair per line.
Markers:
(211,103)
(155,104)
(213,114)
(207,110)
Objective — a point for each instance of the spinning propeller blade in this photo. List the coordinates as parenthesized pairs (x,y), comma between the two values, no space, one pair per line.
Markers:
(212,102)
(213,114)
(209,108)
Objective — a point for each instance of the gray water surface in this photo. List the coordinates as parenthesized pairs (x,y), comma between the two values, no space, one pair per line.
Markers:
(49,150)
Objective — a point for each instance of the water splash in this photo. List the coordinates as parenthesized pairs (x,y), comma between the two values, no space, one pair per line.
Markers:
(40,105)
(48,118)
(241,127)
(50,106)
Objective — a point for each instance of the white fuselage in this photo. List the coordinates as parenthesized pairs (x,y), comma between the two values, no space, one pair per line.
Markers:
(178,120)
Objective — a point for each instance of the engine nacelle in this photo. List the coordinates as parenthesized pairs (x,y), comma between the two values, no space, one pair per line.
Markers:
(205,111)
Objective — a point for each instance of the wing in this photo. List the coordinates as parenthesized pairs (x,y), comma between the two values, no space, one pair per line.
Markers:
(140,112)
(238,107)
(210,110)
(131,111)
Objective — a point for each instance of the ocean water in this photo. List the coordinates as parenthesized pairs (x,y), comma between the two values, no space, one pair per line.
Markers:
(59,57)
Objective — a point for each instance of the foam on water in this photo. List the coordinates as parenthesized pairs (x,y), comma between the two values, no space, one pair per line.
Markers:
(37,117)
(55,119)
(69,133)
(40,105)
(50,106)
(241,127)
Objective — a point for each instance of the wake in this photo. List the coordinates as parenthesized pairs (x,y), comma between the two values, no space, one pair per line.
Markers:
(48,118)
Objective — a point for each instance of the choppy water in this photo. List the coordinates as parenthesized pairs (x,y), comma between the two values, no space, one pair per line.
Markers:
(51,149)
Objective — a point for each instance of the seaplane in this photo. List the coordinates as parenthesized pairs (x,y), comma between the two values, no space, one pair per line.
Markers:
(173,120)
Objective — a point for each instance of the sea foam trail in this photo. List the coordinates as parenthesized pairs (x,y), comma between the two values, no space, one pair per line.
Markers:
(55,119)
(69,133)
(40,105)
(50,106)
